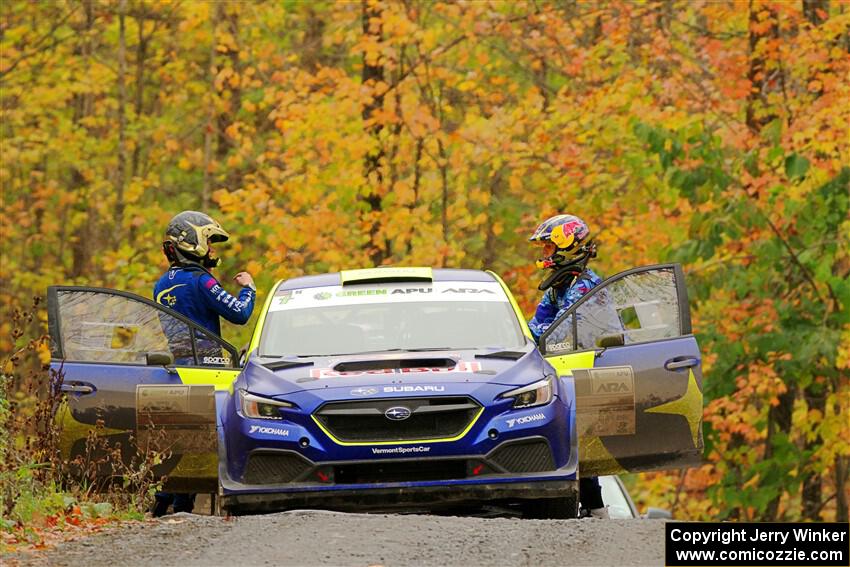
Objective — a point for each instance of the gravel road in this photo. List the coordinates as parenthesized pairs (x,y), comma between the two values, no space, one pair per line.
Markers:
(331,538)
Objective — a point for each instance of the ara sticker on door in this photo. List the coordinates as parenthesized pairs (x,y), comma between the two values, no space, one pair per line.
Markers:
(605,401)
(180,418)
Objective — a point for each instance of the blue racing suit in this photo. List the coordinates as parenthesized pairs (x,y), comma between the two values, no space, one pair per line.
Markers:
(555,303)
(194,292)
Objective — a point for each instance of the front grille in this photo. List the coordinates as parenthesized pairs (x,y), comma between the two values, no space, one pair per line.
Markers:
(524,457)
(407,471)
(366,421)
(273,468)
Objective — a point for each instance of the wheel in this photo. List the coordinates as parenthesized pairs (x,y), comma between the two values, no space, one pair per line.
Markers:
(563,508)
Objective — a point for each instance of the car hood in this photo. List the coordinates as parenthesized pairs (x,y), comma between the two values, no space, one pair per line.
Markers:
(279,377)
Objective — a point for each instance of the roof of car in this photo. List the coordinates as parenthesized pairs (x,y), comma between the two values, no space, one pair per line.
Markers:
(439,275)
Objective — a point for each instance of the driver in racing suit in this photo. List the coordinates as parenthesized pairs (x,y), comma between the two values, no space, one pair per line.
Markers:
(189,288)
(567,248)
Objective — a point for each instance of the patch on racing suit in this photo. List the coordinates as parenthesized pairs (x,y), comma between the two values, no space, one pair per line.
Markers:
(605,401)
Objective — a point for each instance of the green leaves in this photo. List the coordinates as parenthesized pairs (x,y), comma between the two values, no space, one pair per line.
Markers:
(796,167)
(770,296)
(97,510)
(661,142)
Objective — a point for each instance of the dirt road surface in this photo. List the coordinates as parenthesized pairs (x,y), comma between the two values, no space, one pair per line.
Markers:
(331,538)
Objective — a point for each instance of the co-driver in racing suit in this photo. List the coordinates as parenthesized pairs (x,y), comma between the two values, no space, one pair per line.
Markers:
(567,248)
(189,288)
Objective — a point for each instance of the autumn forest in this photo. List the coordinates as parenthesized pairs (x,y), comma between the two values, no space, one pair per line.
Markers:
(334,135)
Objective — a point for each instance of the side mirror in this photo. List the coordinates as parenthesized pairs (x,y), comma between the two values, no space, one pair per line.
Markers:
(658,514)
(608,341)
(159,358)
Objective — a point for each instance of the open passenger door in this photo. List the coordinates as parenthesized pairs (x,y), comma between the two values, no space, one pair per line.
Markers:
(143,377)
(638,381)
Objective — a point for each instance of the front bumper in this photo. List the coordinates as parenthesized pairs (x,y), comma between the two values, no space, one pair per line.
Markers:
(496,425)
(504,454)
(280,480)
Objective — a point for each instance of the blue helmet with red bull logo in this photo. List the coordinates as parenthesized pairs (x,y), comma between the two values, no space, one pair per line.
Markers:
(568,247)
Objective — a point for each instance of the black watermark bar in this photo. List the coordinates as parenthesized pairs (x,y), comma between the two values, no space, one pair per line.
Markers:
(693,544)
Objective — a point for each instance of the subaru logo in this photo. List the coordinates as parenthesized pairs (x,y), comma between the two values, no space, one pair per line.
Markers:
(398,413)
(364,391)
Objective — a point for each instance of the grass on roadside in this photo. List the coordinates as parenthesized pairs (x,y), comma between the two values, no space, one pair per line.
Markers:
(42,491)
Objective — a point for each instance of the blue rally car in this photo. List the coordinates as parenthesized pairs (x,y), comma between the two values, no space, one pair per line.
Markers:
(386,388)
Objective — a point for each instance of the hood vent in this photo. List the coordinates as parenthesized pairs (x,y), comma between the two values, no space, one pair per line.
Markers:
(286,364)
(365,365)
(503,354)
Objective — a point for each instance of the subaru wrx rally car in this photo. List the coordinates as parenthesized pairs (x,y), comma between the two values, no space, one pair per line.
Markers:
(387,388)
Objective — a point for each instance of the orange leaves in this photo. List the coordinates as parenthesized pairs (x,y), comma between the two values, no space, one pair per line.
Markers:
(736,88)
(227,78)
(762,26)
(254,268)
(75,516)
(45,531)
(761,382)
(734,417)
(371,49)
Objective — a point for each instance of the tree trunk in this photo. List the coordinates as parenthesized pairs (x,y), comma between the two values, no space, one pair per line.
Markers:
(121,174)
(138,104)
(444,182)
(778,421)
(763,78)
(83,103)
(842,480)
(592,34)
(209,129)
(816,11)
(813,482)
(490,255)
(417,180)
(229,16)
(312,57)
(373,72)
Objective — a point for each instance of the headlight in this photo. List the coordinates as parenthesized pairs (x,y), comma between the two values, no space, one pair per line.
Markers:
(537,394)
(261,408)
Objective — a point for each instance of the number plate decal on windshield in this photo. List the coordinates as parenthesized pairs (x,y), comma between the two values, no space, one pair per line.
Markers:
(331,296)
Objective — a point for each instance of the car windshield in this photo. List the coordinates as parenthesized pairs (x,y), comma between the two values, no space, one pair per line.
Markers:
(331,320)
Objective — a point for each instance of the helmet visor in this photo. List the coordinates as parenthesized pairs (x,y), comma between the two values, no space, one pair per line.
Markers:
(547,247)
(547,251)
